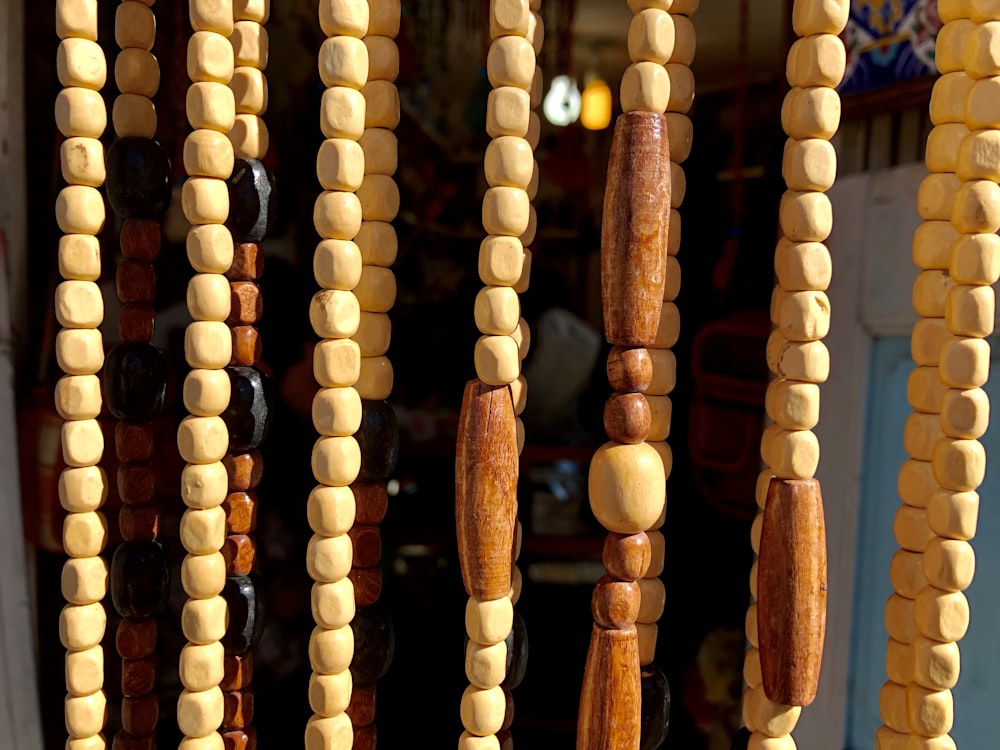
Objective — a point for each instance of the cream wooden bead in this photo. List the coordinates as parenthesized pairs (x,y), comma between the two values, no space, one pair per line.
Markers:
(336,461)
(469,741)
(340,164)
(249,136)
(204,486)
(208,153)
(509,18)
(892,706)
(85,714)
(811,113)
(817,60)
(200,713)
(202,440)
(375,378)
(751,668)
(772,719)
(343,61)
(201,667)
(810,165)
(808,361)
(80,62)
(915,483)
(337,215)
(379,197)
(485,666)
(249,87)
(135,26)
(664,372)
(333,603)
(981,107)
(977,207)
(793,405)
(941,615)
(76,19)
(906,573)
(204,621)
(804,316)
(935,665)
(791,454)
(329,732)
(981,51)
(805,216)
(489,622)
(954,10)
(85,671)
(82,490)
(536,31)
(511,62)
(977,158)
(669,328)
(80,210)
(899,622)
(678,186)
(331,510)
(212,15)
(385,15)
(212,106)
(943,144)
(208,345)
(84,581)
(380,152)
(483,710)
(329,694)
(337,363)
(928,338)
(965,414)
(763,742)
(209,297)
(205,200)
(953,515)
(336,412)
(209,58)
(970,310)
(79,351)
(331,651)
(509,162)
(661,411)
(501,260)
(932,242)
(497,310)
(84,534)
(975,259)
(78,397)
(496,359)
(652,600)
(528,236)
(949,564)
(899,662)
(137,72)
(936,196)
(337,264)
(344,17)
(79,304)
(206,392)
(81,627)
(329,558)
(920,435)
(80,113)
(941,742)
(521,286)
(334,313)
(965,362)
(930,293)
(681,87)
(378,243)
(250,44)
(203,576)
(507,112)
(505,211)
(802,266)
(82,443)
(80,254)
(519,394)
(381,104)
(959,465)
(949,96)
(931,712)
(626,487)
(203,532)
(383,57)
(651,36)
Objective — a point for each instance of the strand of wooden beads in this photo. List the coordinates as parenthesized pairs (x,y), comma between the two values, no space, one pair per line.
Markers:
(81,118)
(627,482)
(377,430)
(203,438)
(135,373)
(335,315)
(786,625)
(932,244)
(491,434)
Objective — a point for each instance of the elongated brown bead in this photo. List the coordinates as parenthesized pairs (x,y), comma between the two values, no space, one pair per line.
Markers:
(791,591)
(634,229)
(612,692)
(486,489)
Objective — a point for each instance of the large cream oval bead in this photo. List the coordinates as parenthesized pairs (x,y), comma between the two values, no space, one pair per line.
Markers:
(627,487)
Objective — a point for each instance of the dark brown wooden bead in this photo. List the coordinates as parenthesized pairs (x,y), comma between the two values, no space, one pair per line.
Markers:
(138,676)
(248,262)
(370,501)
(238,671)
(241,512)
(634,229)
(630,369)
(240,739)
(136,483)
(134,441)
(508,714)
(367,585)
(486,465)
(791,591)
(136,281)
(505,739)
(627,418)
(367,545)
(139,522)
(361,709)
(136,637)
(626,556)
(139,715)
(125,741)
(245,470)
(136,322)
(240,553)
(246,346)
(611,700)
(247,303)
(366,737)
(237,708)
(140,239)
(615,604)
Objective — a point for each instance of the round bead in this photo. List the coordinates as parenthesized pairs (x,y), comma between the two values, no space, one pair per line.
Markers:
(509,162)
(80,210)
(627,418)
(77,19)
(806,216)
(337,363)
(334,314)
(627,487)
(329,732)
(208,297)
(331,651)
(80,256)
(340,164)
(80,62)
(970,310)
(79,304)
(329,559)
(511,62)
(337,215)
(953,515)
(964,362)
(615,604)
(497,310)
(630,370)
(965,414)
(329,695)
(201,667)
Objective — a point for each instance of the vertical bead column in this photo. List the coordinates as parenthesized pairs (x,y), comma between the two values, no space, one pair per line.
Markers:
(202,437)
(135,373)
(335,316)
(81,118)
(786,626)
(627,482)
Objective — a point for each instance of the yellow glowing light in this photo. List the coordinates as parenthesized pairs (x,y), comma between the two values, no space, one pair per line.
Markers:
(595,110)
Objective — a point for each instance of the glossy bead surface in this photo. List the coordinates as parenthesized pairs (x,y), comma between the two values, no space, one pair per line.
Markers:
(374,644)
(139,579)
(252,206)
(135,381)
(138,178)
(246,614)
(517,653)
(378,437)
(248,416)
(655,707)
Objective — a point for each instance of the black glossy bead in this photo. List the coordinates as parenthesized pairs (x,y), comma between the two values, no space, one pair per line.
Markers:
(655,707)
(378,437)
(741,740)
(252,206)
(517,653)
(248,415)
(140,580)
(138,178)
(246,614)
(374,644)
(135,381)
